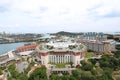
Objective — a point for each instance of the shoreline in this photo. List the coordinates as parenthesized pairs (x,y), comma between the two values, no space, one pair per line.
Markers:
(15,42)
(7,52)
(5,48)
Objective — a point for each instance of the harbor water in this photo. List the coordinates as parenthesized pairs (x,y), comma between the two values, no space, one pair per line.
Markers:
(4,48)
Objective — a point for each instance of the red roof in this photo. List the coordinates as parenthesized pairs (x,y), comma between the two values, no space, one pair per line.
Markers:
(110,53)
(118,36)
(27,47)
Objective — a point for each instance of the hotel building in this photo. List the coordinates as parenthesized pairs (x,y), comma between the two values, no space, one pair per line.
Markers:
(60,52)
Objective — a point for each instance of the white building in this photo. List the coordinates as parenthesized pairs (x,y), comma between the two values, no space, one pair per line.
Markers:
(60,52)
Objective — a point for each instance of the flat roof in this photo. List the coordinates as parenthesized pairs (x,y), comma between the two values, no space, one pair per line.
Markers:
(60,47)
(60,44)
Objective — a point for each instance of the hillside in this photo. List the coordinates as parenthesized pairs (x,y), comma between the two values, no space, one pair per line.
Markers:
(67,33)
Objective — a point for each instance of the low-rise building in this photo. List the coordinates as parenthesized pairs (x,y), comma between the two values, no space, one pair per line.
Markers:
(97,42)
(28,47)
(7,58)
(104,46)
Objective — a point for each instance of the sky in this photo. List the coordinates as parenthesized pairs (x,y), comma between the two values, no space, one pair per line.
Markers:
(48,16)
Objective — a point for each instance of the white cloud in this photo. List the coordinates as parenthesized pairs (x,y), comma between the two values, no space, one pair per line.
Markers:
(73,15)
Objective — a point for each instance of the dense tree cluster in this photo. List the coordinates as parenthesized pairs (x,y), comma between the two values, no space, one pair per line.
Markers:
(65,77)
(87,66)
(67,33)
(1,72)
(39,74)
(98,69)
(110,62)
(13,73)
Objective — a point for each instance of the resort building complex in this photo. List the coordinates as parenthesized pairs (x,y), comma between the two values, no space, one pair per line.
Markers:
(63,49)
(60,52)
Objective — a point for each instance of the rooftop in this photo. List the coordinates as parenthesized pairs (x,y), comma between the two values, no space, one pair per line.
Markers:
(60,47)
(27,46)
(8,57)
(60,44)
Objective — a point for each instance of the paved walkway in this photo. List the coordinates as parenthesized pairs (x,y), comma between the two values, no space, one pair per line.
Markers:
(21,66)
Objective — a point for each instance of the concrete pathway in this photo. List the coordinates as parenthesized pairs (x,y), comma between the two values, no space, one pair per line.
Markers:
(21,66)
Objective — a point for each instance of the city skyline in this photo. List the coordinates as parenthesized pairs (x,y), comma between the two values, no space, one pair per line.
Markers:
(49,16)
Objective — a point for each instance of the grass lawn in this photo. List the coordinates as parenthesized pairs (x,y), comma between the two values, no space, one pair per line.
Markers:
(60,65)
(81,46)
(89,54)
(40,47)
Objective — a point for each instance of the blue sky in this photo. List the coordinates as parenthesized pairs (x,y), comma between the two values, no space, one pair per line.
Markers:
(44,16)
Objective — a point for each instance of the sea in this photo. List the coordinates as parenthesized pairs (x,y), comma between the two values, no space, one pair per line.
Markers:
(4,48)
